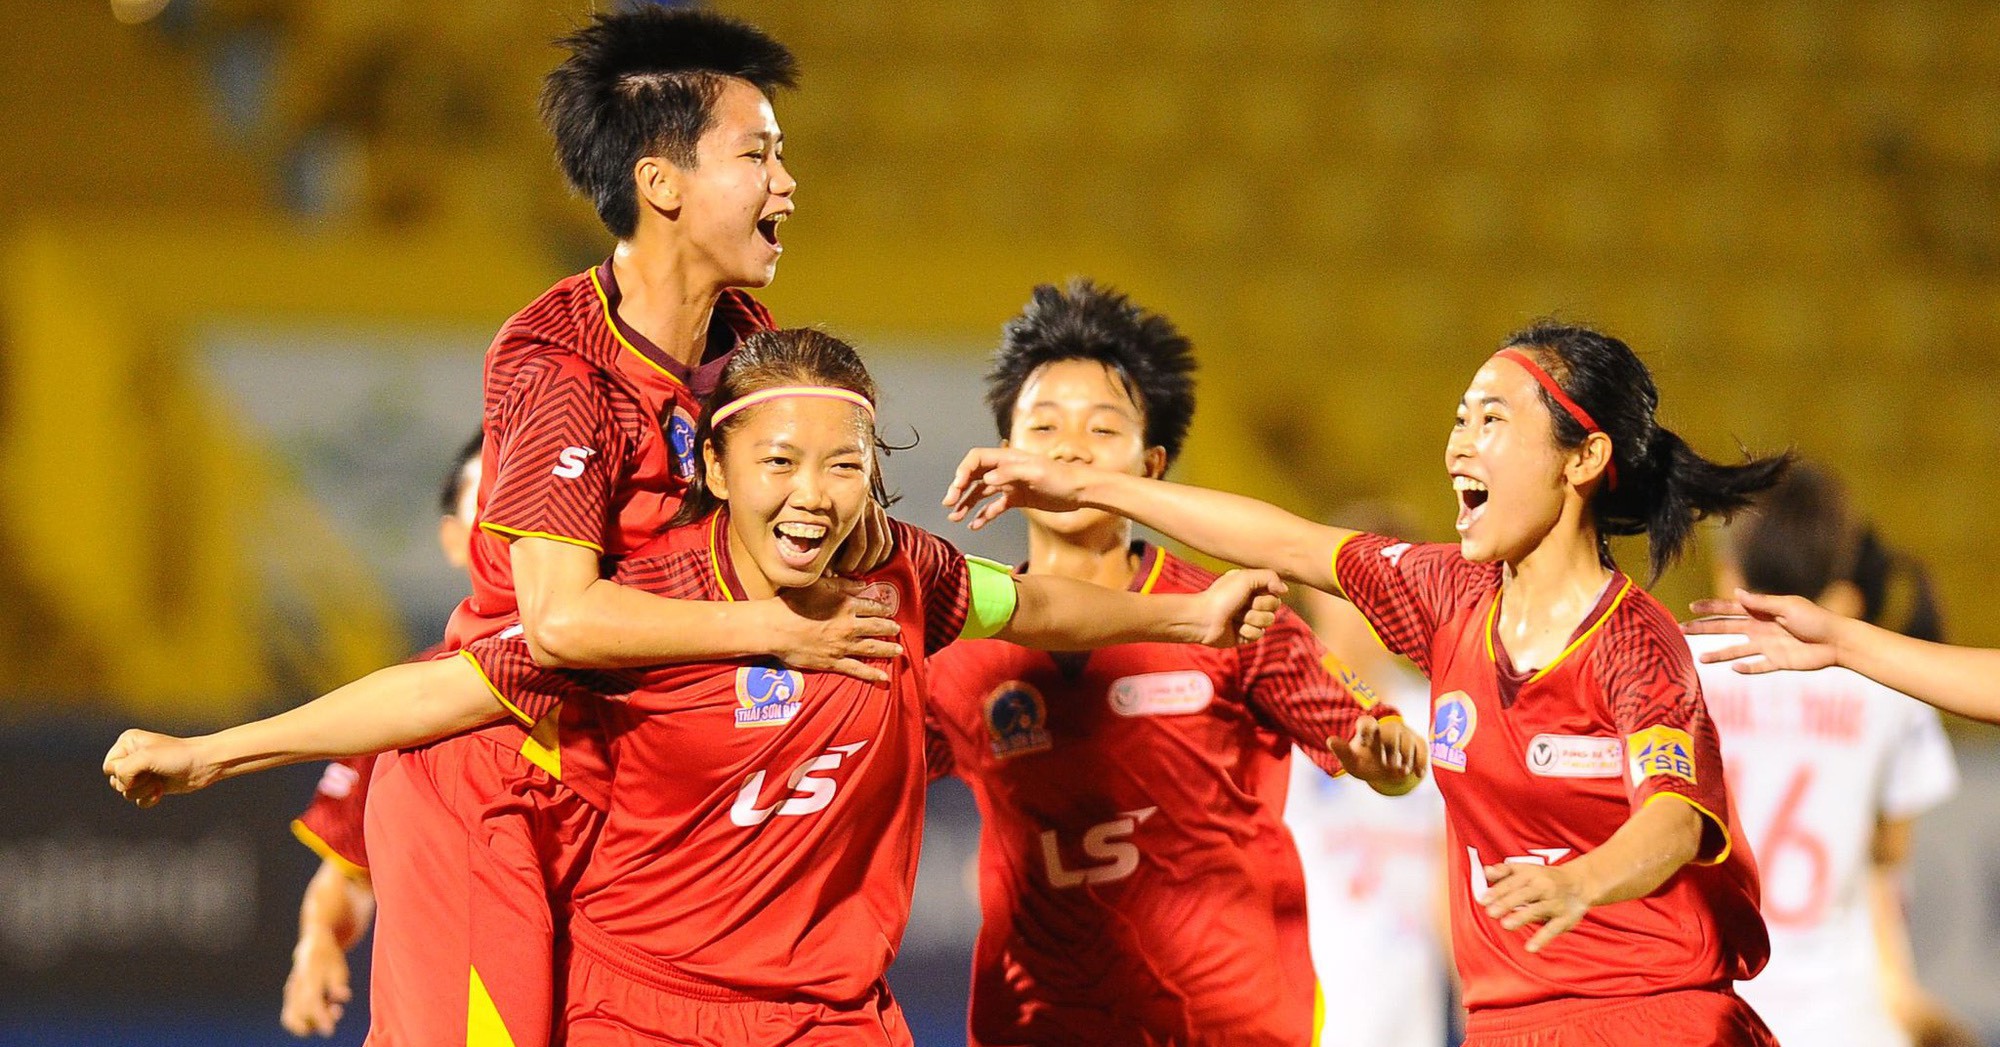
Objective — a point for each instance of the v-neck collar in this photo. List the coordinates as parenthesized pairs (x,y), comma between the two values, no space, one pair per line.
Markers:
(1511,679)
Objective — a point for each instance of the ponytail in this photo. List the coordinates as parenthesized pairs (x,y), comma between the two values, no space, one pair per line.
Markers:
(1663,486)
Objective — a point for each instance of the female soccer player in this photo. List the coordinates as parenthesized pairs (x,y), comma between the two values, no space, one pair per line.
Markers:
(754,871)
(1130,797)
(1584,910)
(1829,772)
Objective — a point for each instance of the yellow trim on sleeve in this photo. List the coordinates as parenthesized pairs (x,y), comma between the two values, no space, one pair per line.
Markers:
(611,324)
(1319,1012)
(1728,841)
(510,534)
(1334,565)
(1579,641)
(526,720)
(483,1025)
(543,747)
(325,850)
(715,557)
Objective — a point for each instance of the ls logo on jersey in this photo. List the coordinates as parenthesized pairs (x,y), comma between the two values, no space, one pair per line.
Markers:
(1452,724)
(680,441)
(1661,750)
(806,792)
(1017,720)
(768,697)
(1357,688)
(570,463)
(1161,694)
(1106,843)
(1575,756)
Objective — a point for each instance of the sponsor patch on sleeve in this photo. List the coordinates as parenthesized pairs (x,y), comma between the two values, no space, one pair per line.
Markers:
(1660,751)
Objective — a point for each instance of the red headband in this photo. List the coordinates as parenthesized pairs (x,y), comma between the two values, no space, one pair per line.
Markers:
(1575,409)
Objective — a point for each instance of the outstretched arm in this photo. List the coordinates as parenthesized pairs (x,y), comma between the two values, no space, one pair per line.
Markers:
(1063,614)
(403,705)
(1791,632)
(1226,526)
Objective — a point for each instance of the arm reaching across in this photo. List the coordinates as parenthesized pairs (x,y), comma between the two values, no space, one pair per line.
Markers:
(403,705)
(1791,632)
(1651,846)
(1226,526)
(1063,614)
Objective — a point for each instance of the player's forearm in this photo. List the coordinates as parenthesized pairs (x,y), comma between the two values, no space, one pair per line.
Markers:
(1649,848)
(403,705)
(1955,679)
(1063,614)
(1226,526)
(337,906)
(610,626)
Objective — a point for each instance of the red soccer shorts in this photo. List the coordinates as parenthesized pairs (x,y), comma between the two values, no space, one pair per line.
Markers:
(619,997)
(1688,1018)
(473,851)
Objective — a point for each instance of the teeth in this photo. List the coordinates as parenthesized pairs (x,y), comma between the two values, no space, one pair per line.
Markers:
(778,219)
(804,531)
(1466,483)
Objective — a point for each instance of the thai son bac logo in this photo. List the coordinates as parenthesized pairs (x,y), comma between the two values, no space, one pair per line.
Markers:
(680,441)
(768,696)
(1016,720)
(1452,724)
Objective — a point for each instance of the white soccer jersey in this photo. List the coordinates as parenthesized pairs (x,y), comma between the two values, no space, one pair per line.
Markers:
(1374,870)
(1813,760)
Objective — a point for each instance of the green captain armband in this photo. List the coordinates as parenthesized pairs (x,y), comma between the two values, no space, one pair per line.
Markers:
(990,598)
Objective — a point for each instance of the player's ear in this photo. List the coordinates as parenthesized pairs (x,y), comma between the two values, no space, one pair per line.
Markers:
(659,184)
(1156,462)
(718,485)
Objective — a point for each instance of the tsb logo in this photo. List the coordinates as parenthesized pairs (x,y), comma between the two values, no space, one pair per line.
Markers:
(569,464)
(1106,842)
(805,792)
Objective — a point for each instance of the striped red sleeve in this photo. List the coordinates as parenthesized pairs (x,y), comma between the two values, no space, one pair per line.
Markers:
(332,823)
(1407,590)
(1291,683)
(1648,678)
(560,454)
(947,587)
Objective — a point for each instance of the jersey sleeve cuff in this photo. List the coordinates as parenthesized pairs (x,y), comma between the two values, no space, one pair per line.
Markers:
(512,533)
(325,850)
(517,712)
(1716,843)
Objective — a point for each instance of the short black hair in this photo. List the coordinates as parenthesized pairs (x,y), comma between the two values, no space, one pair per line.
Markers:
(1082,321)
(453,487)
(643,82)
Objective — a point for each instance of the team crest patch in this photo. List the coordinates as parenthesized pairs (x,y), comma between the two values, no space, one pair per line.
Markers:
(1452,724)
(1663,751)
(1017,720)
(1363,695)
(680,440)
(767,696)
(1161,694)
(1575,756)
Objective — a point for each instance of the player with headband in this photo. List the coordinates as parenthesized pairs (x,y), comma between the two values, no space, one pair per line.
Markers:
(754,871)
(1131,797)
(1601,890)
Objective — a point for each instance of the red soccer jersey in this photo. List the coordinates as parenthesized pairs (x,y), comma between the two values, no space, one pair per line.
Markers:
(1541,767)
(589,440)
(763,827)
(331,824)
(1137,881)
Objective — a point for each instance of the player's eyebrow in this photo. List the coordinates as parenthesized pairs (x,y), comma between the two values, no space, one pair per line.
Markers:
(1107,406)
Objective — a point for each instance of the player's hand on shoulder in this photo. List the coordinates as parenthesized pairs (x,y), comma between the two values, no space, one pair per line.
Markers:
(831,626)
(1386,754)
(1779,632)
(1013,480)
(869,545)
(1519,894)
(317,990)
(1237,608)
(144,766)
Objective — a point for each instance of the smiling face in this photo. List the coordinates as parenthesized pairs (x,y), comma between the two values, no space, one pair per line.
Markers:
(729,206)
(795,472)
(1080,411)
(1506,471)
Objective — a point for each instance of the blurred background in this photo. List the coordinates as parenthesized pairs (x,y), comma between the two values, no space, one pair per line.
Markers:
(251,252)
